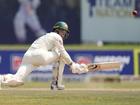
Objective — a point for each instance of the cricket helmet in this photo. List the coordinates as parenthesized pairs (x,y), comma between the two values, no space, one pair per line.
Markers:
(61,25)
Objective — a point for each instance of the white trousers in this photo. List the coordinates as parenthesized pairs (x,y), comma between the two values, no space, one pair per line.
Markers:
(57,72)
(31,59)
(35,58)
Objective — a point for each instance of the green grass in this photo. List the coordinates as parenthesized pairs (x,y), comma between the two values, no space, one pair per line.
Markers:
(19,96)
(84,85)
(68,98)
(76,46)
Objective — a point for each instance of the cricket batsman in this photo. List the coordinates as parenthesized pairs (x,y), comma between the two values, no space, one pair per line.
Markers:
(48,49)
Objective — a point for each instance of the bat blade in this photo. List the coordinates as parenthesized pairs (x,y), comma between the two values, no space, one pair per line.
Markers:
(104,66)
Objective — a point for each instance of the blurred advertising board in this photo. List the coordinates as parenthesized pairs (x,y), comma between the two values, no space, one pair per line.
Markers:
(10,60)
(110,20)
(97,56)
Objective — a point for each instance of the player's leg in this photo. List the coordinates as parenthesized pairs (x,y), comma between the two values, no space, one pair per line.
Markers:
(14,80)
(54,76)
(58,76)
(30,60)
(43,57)
(40,57)
(17,79)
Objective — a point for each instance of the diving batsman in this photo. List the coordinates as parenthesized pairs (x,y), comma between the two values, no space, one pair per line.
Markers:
(48,49)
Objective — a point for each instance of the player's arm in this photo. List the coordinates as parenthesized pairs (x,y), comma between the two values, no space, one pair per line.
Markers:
(75,67)
(63,53)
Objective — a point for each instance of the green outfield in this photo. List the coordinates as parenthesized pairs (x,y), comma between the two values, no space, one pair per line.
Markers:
(76,93)
(78,46)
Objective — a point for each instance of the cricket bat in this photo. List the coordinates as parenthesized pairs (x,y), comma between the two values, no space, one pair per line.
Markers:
(104,66)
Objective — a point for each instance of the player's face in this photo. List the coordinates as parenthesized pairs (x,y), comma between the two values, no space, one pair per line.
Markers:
(62,33)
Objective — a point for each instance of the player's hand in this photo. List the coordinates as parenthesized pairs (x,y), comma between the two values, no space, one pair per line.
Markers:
(79,68)
(84,68)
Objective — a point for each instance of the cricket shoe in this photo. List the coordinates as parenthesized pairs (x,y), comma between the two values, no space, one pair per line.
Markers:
(60,87)
(13,83)
(55,86)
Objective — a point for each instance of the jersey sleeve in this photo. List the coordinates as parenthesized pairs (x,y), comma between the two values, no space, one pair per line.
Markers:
(60,48)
